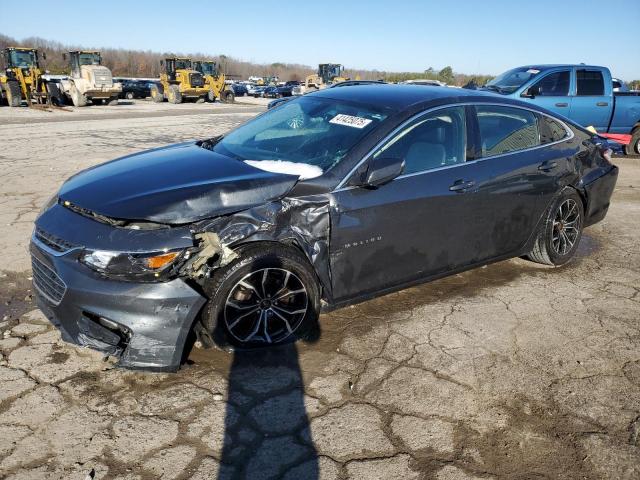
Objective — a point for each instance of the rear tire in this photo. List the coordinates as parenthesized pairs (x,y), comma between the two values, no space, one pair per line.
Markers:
(129,96)
(290,286)
(156,95)
(13,94)
(634,145)
(174,96)
(211,97)
(228,96)
(559,234)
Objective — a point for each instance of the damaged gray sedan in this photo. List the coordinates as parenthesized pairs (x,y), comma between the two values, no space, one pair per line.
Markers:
(324,201)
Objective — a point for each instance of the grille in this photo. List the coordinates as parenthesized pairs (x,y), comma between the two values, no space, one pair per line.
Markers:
(197,80)
(54,243)
(47,282)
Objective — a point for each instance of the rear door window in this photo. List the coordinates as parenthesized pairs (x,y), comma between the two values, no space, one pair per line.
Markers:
(551,131)
(590,83)
(506,129)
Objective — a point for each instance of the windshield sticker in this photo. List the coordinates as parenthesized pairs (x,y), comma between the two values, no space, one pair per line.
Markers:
(534,71)
(349,121)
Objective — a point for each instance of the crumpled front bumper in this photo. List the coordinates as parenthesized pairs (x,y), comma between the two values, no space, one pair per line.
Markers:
(145,324)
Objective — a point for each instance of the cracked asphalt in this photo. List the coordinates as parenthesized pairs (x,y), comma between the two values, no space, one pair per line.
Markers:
(511,371)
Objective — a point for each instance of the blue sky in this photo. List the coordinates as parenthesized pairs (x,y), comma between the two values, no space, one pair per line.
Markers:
(487,36)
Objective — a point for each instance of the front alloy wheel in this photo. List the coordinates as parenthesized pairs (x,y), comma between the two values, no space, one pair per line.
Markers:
(266,306)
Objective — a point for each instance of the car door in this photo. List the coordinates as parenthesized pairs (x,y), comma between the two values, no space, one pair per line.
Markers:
(552,92)
(591,106)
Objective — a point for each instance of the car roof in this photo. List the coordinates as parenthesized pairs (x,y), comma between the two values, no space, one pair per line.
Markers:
(560,65)
(397,97)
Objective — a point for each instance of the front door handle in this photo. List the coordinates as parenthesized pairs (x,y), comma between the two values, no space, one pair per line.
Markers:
(548,165)
(562,104)
(602,104)
(461,185)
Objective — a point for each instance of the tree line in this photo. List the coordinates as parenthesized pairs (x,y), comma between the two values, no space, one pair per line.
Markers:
(146,64)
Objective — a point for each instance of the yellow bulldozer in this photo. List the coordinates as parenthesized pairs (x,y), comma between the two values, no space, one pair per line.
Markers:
(179,82)
(328,74)
(22,79)
(214,81)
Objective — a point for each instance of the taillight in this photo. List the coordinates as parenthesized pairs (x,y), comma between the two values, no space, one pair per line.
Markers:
(607,154)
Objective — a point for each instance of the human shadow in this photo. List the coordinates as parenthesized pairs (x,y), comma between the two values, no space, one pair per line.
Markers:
(266,424)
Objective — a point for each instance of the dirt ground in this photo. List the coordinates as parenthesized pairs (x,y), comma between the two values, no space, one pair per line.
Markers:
(510,371)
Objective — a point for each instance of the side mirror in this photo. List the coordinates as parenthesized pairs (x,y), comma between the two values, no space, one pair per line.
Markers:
(161,63)
(383,169)
(44,55)
(531,92)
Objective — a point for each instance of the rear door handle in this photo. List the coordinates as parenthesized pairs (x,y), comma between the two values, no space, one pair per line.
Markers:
(461,185)
(548,166)
(562,104)
(602,104)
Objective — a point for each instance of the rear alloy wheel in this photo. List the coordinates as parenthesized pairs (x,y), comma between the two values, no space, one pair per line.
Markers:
(129,96)
(268,295)
(560,234)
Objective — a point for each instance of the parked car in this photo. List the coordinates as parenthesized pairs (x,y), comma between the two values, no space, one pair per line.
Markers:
(582,93)
(136,88)
(239,89)
(258,91)
(332,198)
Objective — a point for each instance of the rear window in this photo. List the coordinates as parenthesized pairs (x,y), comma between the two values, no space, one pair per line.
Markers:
(506,129)
(590,82)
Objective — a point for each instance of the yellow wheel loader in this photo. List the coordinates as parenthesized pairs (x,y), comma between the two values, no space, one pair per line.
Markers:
(22,79)
(179,82)
(215,81)
(328,74)
(89,81)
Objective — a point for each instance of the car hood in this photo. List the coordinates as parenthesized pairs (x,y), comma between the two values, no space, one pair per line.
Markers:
(176,184)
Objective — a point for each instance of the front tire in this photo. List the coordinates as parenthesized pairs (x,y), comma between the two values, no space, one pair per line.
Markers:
(129,96)
(228,96)
(268,295)
(560,233)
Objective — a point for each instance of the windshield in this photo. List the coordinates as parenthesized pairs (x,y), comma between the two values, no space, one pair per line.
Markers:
(22,58)
(183,64)
(89,59)
(208,68)
(512,80)
(311,131)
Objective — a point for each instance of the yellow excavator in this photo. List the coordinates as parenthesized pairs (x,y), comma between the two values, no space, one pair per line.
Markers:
(22,79)
(328,74)
(179,81)
(214,81)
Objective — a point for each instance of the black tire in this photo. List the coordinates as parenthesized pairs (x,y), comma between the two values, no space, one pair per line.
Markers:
(174,95)
(228,96)
(156,95)
(634,145)
(13,94)
(559,234)
(253,260)
(211,97)
(129,96)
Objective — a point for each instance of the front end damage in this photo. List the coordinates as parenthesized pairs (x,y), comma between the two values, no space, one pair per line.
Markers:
(146,324)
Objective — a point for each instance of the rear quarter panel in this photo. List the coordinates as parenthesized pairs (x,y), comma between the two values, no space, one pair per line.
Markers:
(626,115)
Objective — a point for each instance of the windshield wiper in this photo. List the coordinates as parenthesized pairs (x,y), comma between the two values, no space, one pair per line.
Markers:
(210,142)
